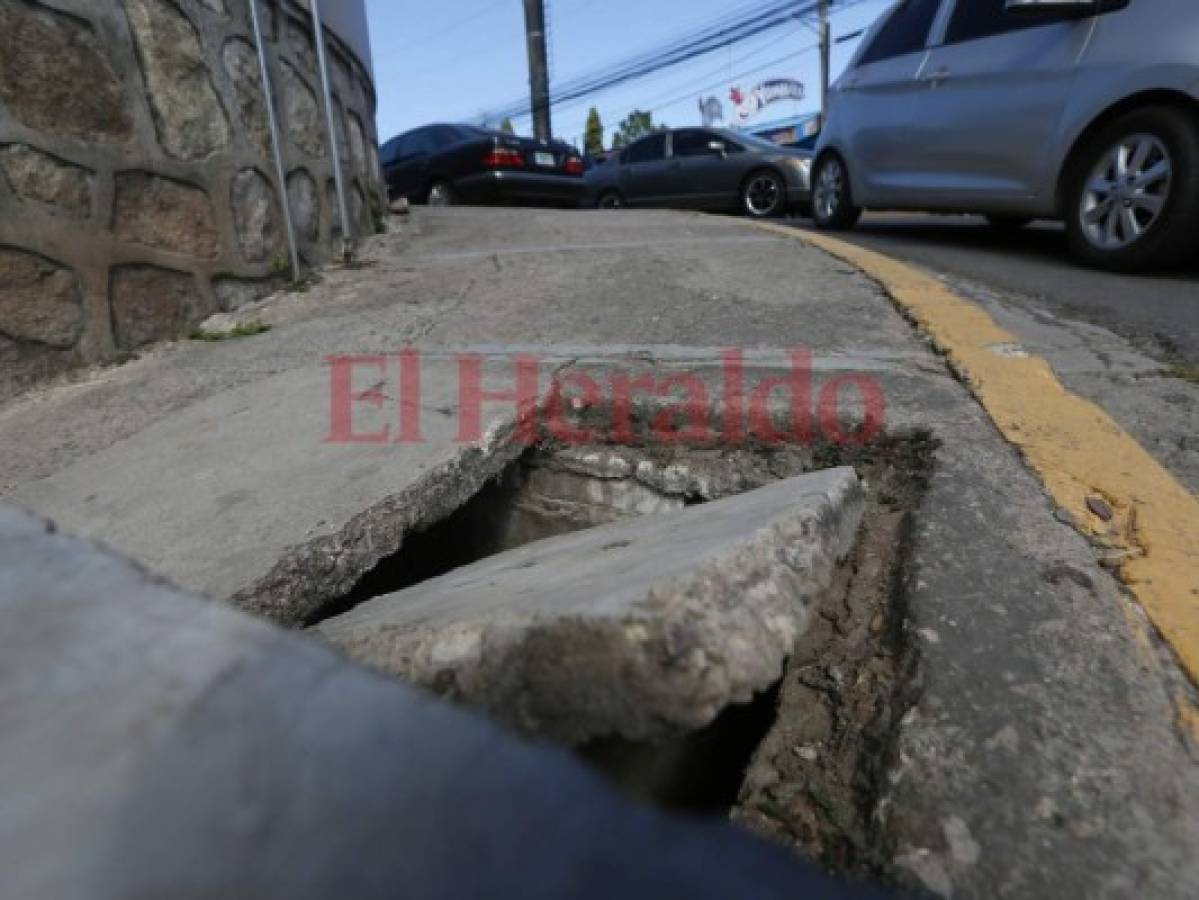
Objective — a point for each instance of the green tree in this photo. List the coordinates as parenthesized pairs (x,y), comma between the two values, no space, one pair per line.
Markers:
(506,126)
(593,137)
(636,124)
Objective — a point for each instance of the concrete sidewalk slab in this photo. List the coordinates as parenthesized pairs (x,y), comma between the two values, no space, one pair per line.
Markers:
(247,497)
(640,629)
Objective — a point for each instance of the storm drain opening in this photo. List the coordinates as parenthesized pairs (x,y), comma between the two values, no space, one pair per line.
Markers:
(803,762)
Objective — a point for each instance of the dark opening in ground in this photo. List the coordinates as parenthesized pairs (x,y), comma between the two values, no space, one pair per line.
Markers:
(466,536)
(541,495)
(697,773)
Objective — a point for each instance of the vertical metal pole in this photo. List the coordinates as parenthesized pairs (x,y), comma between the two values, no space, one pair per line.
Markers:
(539,76)
(826,53)
(347,232)
(273,123)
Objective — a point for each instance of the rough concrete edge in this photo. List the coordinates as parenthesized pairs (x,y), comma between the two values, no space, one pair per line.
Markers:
(1076,449)
(555,678)
(311,574)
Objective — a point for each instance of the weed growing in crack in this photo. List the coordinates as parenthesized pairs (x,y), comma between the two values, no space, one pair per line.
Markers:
(241,330)
(1184,371)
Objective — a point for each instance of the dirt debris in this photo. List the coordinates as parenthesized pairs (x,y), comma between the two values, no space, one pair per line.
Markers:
(815,781)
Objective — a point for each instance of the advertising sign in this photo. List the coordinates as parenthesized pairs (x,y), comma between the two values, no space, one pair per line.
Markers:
(748,105)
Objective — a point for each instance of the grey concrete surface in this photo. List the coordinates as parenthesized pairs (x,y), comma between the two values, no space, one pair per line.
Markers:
(1040,756)
(245,497)
(640,629)
(156,745)
(1118,340)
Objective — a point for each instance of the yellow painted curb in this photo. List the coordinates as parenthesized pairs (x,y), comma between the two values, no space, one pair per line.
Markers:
(1075,447)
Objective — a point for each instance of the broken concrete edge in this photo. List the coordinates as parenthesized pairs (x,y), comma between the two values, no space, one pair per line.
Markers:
(690,648)
(313,574)
(615,462)
(310,575)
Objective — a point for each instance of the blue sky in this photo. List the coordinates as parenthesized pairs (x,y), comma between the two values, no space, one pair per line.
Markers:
(451,61)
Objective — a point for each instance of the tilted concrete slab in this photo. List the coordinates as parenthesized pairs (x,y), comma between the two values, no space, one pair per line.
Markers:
(156,745)
(640,629)
(245,497)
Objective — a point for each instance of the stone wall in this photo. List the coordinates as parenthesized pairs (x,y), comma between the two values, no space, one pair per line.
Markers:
(137,184)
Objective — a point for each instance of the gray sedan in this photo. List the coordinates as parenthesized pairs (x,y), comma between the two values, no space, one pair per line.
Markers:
(704,168)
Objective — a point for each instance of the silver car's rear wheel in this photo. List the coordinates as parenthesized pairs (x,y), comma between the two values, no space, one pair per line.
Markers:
(1126,193)
(832,196)
(1131,192)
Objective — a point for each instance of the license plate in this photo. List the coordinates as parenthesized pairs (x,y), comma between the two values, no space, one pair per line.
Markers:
(543,159)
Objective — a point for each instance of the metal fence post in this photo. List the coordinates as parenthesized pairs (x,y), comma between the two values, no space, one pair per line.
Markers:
(347,232)
(273,124)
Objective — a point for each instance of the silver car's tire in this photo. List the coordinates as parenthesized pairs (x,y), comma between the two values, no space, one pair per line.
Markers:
(1132,200)
(833,208)
(764,195)
(441,194)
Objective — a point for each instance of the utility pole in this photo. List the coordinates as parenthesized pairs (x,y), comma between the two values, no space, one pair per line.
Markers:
(539,75)
(826,59)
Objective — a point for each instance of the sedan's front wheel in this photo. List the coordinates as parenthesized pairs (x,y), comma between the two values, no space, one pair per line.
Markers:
(1133,194)
(764,195)
(832,196)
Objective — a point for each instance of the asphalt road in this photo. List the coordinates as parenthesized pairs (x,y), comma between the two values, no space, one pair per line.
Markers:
(1159,313)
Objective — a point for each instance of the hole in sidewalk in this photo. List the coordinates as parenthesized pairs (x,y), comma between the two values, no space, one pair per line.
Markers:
(805,762)
(542,494)
(700,772)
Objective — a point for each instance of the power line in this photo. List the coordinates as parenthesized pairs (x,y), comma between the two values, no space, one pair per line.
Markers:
(724,32)
(461,22)
(728,76)
(774,62)
(843,5)
(742,74)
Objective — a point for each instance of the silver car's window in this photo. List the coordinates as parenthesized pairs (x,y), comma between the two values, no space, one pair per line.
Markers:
(974,19)
(650,149)
(906,31)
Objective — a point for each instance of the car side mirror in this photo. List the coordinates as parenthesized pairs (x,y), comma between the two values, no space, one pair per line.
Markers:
(718,147)
(1054,9)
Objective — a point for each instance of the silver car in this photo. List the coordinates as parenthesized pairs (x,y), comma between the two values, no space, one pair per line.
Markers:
(1080,110)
